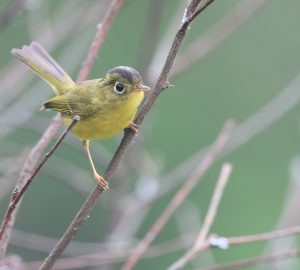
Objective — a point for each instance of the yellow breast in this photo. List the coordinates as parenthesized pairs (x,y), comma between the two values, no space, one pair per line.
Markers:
(109,121)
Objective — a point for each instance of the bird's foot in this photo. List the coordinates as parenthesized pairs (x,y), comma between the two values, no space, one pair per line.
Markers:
(134,127)
(101,182)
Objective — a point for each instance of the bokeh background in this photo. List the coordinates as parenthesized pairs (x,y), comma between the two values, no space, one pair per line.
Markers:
(240,60)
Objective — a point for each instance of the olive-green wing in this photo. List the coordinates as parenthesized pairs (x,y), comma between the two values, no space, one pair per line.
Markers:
(72,104)
(58,104)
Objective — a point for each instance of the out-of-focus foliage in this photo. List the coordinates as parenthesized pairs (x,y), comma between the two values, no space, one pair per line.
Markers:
(234,80)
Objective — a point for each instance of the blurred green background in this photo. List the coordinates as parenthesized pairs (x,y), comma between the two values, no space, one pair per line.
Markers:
(250,68)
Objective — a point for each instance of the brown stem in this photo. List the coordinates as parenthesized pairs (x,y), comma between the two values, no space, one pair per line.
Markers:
(17,195)
(213,241)
(99,39)
(198,9)
(208,220)
(257,261)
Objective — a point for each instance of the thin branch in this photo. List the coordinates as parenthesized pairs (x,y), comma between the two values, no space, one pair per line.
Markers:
(100,36)
(180,196)
(115,254)
(100,258)
(257,261)
(195,10)
(289,214)
(26,171)
(11,169)
(215,241)
(207,42)
(264,236)
(150,36)
(17,195)
(209,218)
(86,208)
(214,204)
(163,46)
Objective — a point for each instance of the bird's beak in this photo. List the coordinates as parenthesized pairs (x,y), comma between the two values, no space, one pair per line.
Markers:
(142,88)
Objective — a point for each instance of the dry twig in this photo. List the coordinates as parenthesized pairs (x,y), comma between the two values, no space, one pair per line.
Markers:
(209,219)
(224,243)
(257,261)
(202,46)
(99,38)
(17,195)
(180,196)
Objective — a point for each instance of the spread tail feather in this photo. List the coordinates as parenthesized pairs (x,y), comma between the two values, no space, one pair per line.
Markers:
(37,58)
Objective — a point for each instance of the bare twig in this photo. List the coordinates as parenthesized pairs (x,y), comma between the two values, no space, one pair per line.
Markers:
(264,236)
(180,196)
(198,49)
(99,39)
(195,8)
(114,255)
(289,215)
(223,242)
(209,218)
(100,258)
(257,261)
(163,47)
(17,195)
(128,136)
(214,204)
(11,171)
(26,171)
(150,38)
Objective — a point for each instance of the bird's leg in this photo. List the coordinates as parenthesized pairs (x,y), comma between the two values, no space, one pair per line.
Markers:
(99,179)
(134,127)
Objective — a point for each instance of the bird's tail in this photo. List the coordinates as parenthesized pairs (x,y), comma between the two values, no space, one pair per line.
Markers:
(38,59)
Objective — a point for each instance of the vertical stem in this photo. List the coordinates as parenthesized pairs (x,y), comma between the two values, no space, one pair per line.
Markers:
(100,36)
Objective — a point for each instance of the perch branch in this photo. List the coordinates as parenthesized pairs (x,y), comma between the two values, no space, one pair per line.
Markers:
(86,208)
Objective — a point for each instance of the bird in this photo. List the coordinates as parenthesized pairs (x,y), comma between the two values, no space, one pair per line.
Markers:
(105,106)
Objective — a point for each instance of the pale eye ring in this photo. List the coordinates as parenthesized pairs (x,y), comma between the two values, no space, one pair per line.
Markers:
(119,88)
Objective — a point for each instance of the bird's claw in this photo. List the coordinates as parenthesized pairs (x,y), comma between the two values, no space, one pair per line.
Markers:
(101,182)
(134,127)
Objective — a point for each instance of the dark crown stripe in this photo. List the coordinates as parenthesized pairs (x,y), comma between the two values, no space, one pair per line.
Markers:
(128,73)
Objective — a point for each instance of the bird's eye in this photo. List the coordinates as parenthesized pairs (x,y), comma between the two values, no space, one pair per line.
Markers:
(119,88)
